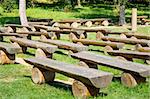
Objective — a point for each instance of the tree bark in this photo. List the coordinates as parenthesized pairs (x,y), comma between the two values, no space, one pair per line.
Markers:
(122,15)
(79,3)
(22,12)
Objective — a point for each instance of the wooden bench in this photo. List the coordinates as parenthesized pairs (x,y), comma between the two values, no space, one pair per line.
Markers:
(7,52)
(134,73)
(139,48)
(86,22)
(11,34)
(30,34)
(114,45)
(42,48)
(129,55)
(123,40)
(57,31)
(86,80)
(13,27)
(138,36)
(65,45)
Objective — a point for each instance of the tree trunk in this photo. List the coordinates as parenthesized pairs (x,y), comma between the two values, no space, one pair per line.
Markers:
(122,15)
(22,12)
(79,3)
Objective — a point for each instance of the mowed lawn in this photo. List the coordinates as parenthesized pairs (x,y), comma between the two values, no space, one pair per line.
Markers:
(15,79)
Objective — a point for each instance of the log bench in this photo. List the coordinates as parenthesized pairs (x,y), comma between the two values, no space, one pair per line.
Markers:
(129,55)
(138,36)
(11,34)
(57,31)
(7,52)
(42,48)
(13,27)
(134,73)
(87,81)
(139,48)
(132,41)
(114,45)
(66,45)
(86,22)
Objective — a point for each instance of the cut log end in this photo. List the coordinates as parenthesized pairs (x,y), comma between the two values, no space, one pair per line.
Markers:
(72,36)
(43,37)
(88,24)
(121,58)
(131,80)
(75,25)
(83,64)
(40,53)
(82,91)
(105,23)
(79,43)
(123,36)
(99,35)
(82,36)
(4,59)
(107,48)
(40,76)
(133,38)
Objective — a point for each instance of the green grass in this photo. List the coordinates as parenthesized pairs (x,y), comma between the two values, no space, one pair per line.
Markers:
(15,79)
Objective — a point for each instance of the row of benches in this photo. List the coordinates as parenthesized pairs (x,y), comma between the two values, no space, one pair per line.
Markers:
(90,80)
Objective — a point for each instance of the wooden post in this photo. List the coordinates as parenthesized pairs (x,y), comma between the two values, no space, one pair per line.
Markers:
(134,19)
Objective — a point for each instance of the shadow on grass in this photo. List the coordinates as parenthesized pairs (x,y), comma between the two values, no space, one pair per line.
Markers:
(9,20)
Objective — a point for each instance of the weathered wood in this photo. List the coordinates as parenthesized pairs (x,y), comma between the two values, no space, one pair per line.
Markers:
(66,45)
(134,19)
(47,48)
(40,76)
(127,66)
(138,36)
(142,49)
(81,90)
(99,43)
(12,34)
(131,80)
(6,58)
(9,48)
(130,54)
(91,77)
(127,40)
(15,26)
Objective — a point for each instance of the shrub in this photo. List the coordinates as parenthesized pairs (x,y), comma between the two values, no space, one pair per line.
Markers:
(9,5)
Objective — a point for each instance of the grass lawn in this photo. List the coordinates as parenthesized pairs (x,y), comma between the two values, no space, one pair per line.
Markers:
(15,79)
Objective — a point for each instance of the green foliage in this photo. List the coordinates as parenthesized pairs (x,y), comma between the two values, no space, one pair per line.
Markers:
(9,5)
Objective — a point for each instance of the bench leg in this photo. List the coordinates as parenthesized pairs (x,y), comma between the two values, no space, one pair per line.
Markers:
(99,35)
(82,90)
(6,58)
(57,35)
(41,53)
(1,38)
(131,80)
(40,76)
(24,49)
(88,24)
(87,64)
(72,36)
(83,36)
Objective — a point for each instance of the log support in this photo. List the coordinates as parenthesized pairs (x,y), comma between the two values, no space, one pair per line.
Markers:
(6,58)
(81,90)
(40,76)
(131,80)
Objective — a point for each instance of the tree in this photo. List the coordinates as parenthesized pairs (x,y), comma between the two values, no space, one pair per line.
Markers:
(22,12)
(121,4)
